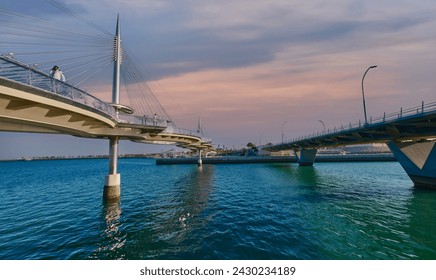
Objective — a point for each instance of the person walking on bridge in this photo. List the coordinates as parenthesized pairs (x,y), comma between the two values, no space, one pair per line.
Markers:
(56,74)
(155,120)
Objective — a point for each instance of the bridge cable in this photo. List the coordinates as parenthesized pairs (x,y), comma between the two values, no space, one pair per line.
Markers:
(83,55)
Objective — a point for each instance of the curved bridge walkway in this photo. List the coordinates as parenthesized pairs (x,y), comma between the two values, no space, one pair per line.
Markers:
(31,101)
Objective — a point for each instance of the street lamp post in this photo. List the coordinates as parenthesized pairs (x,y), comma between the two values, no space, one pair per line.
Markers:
(363,94)
(282,130)
(323,125)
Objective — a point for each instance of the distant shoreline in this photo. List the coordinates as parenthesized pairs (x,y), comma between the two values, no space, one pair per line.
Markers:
(279,159)
(72,158)
(368,157)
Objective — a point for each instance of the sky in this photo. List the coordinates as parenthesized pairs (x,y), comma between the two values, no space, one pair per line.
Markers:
(252,69)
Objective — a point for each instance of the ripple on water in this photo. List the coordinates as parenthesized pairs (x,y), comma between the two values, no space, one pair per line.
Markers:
(54,210)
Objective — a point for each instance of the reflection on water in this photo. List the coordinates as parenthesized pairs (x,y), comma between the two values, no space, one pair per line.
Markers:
(112,238)
(163,222)
(111,212)
(187,199)
(422,225)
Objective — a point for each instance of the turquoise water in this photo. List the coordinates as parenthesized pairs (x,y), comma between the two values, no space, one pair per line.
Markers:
(54,210)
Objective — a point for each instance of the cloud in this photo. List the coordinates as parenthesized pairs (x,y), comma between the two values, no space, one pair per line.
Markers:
(201,35)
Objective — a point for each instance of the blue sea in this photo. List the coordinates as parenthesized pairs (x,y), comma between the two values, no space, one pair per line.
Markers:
(54,209)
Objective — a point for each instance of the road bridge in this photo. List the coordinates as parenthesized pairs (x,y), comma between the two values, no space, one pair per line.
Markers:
(410,134)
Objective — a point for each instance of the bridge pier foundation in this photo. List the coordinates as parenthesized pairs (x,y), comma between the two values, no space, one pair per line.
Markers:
(112,189)
(418,160)
(305,157)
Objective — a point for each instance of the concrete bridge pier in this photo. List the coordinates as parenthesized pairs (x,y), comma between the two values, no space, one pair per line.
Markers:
(418,159)
(305,157)
(200,161)
(112,189)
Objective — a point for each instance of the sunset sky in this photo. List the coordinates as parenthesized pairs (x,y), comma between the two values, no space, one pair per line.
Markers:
(249,68)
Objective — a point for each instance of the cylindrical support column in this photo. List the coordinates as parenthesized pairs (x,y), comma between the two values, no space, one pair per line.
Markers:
(113,155)
(200,161)
(112,183)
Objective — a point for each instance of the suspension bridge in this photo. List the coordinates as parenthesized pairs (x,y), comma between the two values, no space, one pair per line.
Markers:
(33,101)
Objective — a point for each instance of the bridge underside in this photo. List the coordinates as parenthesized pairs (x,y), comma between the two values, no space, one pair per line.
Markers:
(418,128)
(180,140)
(27,109)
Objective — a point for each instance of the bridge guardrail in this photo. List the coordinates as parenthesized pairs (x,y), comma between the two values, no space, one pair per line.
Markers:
(22,73)
(402,114)
(143,120)
(151,121)
(173,129)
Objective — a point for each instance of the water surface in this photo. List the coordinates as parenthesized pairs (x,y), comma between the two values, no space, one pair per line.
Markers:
(54,210)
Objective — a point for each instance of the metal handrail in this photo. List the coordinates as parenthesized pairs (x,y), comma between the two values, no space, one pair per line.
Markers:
(143,120)
(173,129)
(19,72)
(386,118)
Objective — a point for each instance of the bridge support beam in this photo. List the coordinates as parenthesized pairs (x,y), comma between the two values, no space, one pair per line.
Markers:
(305,157)
(418,160)
(200,161)
(112,189)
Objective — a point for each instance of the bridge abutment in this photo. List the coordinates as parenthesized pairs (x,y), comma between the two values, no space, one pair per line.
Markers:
(305,157)
(418,160)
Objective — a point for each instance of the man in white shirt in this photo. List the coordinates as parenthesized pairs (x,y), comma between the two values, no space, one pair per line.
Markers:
(56,74)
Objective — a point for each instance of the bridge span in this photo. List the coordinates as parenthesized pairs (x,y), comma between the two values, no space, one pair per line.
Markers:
(410,134)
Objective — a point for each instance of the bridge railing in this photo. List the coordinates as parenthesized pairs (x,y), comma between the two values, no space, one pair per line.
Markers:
(25,74)
(401,114)
(143,120)
(176,130)
(160,122)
